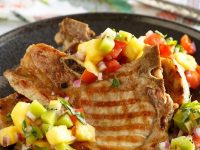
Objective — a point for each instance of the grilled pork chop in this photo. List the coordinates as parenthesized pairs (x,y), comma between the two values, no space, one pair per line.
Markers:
(41,74)
(134,115)
(71,32)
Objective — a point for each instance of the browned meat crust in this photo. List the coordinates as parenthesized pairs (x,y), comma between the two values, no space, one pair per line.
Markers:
(41,74)
(72,32)
(175,81)
(6,106)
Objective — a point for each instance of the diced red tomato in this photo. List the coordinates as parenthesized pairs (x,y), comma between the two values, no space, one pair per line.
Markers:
(165,50)
(88,77)
(119,46)
(187,44)
(196,140)
(193,78)
(122,59)
(74,130)
(198,69)
(112,65)
(73,118)
(154,39)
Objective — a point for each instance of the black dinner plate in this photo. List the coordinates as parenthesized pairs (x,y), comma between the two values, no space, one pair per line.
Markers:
(14,43)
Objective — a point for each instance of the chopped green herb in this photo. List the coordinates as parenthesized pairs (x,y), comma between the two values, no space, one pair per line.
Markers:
(115,82)
(9,119)
(118,36)
(170,41)
(40,148)
(24,126)
(178,48)
(158,32)
(29,148)
(79,116)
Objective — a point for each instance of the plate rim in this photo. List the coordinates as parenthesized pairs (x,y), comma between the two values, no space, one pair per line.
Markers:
(29,25)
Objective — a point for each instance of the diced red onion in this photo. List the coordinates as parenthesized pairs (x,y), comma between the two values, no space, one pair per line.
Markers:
(101,66)
(30,115)
(180,133)
(196,132)
(80,56)
(77,83)
(194,46)
(164,145)
(24,147)
(6,141)
(149,33)
(141,38)
(29,128)
(100,76)
(66,98)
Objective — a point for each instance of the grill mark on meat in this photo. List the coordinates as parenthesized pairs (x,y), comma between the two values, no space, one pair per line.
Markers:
(123,121)
(108,103)
(125,132)
(119,116)
(139,106)
(132,139)
(140,126)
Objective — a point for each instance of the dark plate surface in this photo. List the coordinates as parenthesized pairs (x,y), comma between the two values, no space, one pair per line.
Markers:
(14,43)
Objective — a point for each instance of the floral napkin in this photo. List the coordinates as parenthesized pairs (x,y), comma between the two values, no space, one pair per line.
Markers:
(14,13)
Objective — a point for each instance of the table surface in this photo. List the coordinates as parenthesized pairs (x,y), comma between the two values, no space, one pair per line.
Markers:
(15,13)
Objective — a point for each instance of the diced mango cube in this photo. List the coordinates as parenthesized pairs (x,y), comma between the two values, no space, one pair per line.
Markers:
(85,132)
(55,105)
(59,134)
(188,62)
(49,117)
(63,146)
(37,109)
(10,133)
(91,67)
(18,114)
(134,49)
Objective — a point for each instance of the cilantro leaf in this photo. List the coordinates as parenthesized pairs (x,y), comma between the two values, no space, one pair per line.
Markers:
(115,82)
(158,32)
(78,115)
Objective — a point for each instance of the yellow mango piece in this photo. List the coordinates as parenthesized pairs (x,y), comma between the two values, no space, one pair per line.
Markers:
(91,67)
(59,134)
(125,36)
(9,132)
(42,143)
(85,132)
(188,62)
(134,49)
(91,49)
(18,114)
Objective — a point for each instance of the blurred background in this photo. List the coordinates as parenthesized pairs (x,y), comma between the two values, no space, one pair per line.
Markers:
(15,13)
